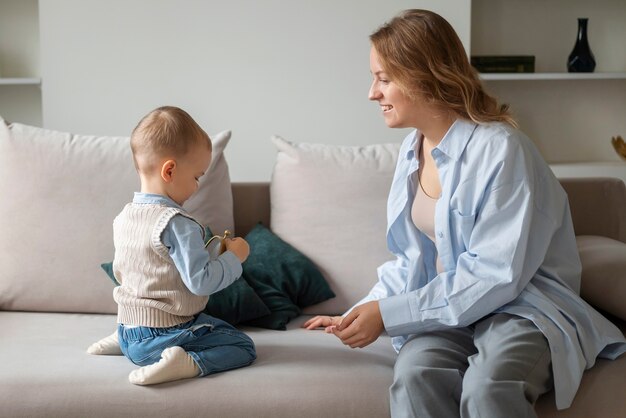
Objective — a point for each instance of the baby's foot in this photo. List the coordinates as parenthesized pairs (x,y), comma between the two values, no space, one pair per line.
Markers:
(108,346)
(175,364)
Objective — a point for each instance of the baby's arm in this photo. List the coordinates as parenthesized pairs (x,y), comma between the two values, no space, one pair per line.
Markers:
(201,274)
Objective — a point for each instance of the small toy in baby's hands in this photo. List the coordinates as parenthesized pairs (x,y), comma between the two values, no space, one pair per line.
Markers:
(221,239)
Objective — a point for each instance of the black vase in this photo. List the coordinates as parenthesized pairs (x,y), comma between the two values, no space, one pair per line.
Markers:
(581,59)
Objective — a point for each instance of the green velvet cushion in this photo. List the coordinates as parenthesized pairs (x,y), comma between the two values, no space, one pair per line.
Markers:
(284,278)
(236,303)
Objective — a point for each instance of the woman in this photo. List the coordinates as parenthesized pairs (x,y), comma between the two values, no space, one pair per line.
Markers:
(482,298)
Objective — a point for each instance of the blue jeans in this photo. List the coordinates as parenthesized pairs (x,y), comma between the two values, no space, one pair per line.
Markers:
(215,345)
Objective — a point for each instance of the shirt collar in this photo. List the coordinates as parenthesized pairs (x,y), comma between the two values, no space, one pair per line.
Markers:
(453,142)
(411,151)
(154,199)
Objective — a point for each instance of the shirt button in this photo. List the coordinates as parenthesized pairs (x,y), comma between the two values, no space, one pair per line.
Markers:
(440,234)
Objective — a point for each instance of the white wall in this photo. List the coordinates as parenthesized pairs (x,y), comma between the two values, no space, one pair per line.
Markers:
(296,68)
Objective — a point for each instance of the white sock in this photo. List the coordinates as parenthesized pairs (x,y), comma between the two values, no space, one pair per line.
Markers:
(175,364)
(108,346)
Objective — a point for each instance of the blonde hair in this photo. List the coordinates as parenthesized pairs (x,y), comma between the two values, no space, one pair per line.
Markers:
(420,51)
(165,131)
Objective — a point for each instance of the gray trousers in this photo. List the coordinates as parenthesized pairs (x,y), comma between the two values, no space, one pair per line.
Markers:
(497,367)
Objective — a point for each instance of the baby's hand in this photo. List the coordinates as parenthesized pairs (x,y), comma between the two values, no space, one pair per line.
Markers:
(239,247)
(329,323)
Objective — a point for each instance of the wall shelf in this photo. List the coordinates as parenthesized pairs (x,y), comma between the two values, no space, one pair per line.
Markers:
(22,81)
(552,76)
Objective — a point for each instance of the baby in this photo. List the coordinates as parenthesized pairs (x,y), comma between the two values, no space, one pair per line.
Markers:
(165,273)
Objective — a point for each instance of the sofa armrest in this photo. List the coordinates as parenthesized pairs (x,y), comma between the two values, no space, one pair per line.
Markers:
(251,205)
(598,206)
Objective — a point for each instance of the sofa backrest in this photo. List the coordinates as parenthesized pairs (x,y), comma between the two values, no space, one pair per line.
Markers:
(251,205)
(598,206)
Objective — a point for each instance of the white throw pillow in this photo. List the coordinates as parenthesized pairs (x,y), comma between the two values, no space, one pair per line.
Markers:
(60,193)
(329,202)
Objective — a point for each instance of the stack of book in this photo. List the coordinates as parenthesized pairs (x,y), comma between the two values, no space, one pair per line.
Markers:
(504,63)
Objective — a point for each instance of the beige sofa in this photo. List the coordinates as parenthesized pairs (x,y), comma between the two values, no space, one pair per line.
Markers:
(46,372)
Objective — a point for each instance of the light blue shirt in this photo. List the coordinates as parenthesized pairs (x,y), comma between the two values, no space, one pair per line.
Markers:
(505,237)
(185,240)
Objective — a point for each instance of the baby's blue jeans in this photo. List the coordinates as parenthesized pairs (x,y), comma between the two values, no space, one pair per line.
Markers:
(215,345)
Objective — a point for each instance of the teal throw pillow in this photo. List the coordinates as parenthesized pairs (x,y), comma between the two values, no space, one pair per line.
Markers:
(236,303)
(108,268)
(284,278)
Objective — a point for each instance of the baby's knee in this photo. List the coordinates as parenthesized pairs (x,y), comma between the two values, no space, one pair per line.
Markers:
(248,347)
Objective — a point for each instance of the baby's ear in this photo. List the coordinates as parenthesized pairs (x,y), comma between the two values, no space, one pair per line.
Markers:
(167,170)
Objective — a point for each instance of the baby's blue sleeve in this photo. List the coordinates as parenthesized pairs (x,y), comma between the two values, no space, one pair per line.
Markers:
(202,276)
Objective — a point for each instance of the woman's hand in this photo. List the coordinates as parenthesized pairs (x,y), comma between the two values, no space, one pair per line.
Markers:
(327,322)
(362,326)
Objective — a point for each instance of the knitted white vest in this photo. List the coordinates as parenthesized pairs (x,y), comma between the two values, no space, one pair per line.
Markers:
(152,293)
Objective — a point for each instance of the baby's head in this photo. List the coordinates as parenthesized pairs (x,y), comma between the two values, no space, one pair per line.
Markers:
(171,151)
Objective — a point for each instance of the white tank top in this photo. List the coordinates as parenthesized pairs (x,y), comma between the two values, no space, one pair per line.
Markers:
(423,214)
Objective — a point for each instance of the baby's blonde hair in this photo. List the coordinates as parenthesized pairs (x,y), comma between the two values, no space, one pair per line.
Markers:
(165,131)
(420,51)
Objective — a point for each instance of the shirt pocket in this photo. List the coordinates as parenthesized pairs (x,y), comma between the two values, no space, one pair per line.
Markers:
(461,227)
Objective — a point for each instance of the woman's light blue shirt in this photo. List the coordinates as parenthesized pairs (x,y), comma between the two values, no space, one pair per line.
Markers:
(185,240)
(506,240)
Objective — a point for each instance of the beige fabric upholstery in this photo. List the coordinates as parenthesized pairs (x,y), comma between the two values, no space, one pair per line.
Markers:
(603,282)
(598,206)
(251,203)
(298,373)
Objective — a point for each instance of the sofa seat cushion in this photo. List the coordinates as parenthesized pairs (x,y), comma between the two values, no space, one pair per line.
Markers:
(298,373)
(603,281)
(46,372)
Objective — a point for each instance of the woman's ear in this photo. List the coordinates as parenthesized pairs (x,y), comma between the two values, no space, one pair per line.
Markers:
(167,170)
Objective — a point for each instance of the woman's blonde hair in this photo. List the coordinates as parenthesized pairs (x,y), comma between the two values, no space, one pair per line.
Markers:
(165,131)
(420,51)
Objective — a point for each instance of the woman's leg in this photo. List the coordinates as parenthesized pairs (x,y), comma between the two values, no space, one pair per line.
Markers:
(511,368)
(428,374)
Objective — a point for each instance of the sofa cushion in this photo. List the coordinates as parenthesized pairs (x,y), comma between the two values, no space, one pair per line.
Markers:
(603,282)
(285,279)
(298,373)
(51,254)
(328,201)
